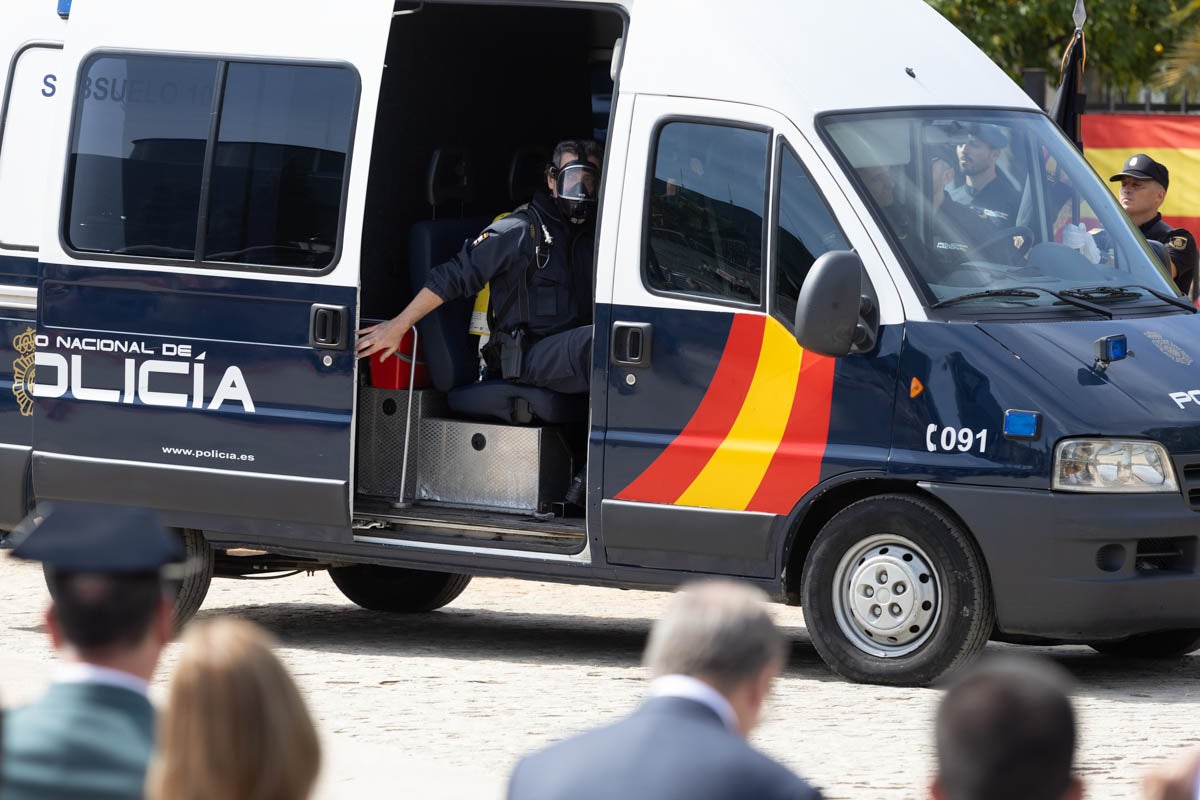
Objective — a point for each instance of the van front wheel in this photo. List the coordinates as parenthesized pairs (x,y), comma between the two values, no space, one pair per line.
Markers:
(894,592)
(397,590)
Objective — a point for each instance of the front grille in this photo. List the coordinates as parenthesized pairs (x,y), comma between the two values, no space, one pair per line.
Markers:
(1187,467)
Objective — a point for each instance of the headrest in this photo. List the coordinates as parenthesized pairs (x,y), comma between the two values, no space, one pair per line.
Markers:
(527,172)
(449,176)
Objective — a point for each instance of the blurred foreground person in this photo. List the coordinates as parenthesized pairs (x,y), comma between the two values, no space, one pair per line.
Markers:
(1177,779)
(90,736)
(1004,730)
(235,726)
(714,656)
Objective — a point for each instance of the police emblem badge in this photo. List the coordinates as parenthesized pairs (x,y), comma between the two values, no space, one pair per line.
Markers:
(1169,348)
(23,371)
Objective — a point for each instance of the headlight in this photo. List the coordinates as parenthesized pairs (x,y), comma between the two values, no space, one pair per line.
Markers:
(1112,465)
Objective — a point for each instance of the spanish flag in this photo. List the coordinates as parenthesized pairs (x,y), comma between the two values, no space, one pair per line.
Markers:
(1173,140)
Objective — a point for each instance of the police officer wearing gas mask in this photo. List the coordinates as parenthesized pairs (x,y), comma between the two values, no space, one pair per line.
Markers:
(539,261)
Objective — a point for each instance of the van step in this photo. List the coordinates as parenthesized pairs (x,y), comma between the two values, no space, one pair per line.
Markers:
(470,528)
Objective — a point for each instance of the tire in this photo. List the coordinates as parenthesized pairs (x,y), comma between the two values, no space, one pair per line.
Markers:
(937,613)
(397,590)
(191,591)
(1159,645)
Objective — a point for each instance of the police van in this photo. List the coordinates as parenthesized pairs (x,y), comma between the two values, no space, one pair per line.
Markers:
(800,379)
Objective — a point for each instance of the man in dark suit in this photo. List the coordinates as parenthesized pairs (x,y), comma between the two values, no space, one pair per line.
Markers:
(1007,729)
(714,656)
(90,736)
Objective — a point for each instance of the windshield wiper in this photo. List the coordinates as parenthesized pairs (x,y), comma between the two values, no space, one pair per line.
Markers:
(1166,298)
(1027,291)
(988,293)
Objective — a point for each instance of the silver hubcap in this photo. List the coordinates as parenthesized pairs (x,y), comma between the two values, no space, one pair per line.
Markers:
(886,596)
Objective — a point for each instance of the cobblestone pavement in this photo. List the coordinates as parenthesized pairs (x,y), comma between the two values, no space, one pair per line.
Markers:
(440,705)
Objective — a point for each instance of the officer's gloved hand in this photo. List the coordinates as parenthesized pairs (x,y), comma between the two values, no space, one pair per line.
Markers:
(1077,238)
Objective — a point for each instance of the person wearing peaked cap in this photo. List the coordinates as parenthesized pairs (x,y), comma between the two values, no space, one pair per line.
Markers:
(954,227)
(986,188)
(1144,184)
(90,736)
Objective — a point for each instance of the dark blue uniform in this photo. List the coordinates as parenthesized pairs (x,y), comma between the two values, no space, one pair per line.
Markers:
(554,260)
(997,202)
(1181,247)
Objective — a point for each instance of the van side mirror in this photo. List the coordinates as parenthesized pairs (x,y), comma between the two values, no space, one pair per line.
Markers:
(1160,250)
(836,313)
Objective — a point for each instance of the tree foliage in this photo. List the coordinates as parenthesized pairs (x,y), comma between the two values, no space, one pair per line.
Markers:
(1182,67)
(1126,39)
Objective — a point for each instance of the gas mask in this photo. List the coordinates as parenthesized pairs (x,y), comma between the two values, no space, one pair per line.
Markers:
(576,183)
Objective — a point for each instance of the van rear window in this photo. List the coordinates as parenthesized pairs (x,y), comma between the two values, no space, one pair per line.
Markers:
(254,176)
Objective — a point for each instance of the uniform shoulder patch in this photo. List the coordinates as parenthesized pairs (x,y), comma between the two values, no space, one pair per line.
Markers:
(499,228)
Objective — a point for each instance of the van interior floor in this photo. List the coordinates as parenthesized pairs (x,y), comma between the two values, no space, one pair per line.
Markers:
(377,519)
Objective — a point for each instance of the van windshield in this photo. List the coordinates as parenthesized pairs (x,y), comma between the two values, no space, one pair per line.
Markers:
(996,211)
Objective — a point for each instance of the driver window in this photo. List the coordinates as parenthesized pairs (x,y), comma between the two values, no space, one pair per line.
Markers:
(805,230)
(704,225)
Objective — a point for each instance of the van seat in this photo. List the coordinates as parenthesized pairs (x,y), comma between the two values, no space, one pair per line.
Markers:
(450,350)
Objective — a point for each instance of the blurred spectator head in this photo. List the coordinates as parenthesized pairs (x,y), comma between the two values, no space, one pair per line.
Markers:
(720,632)
(104,567)
(235,726)
(1006,729)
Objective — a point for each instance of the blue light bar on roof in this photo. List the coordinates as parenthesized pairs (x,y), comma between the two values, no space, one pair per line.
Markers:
(64,8)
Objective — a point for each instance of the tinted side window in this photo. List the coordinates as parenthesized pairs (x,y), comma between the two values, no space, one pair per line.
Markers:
(705,214)
(141,128)
(806,230)
(279,166)
(23,150)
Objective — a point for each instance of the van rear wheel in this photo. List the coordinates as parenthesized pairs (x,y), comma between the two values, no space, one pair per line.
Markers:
(397,590)
(894,592)
(1161,644)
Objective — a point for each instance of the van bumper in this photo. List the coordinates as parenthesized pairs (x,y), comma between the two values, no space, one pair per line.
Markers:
(1080,567)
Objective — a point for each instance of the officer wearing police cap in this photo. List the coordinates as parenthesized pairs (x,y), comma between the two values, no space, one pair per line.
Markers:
(1144,184)
(90,735)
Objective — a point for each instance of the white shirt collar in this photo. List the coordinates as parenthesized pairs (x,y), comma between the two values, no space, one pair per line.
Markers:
(694,689)
(81,672)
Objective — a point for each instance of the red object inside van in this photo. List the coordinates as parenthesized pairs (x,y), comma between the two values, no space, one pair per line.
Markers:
(394,372)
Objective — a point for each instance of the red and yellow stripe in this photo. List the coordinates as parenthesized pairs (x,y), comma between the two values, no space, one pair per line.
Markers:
(1173,140)
(756,441)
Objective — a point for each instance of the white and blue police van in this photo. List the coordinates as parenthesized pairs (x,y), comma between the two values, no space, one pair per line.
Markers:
(929,440)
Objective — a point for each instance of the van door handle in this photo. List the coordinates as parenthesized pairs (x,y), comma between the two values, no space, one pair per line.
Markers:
(631,344)
(327,327)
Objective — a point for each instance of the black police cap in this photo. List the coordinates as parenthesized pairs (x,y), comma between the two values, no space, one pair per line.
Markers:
(1143,168)
(992,135)
(110,540)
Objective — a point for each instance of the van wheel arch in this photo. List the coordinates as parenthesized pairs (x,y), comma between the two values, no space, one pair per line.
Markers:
(812,518)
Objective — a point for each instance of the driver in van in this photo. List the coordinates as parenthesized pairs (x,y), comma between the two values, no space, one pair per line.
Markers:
(539,261)
(986,188)
(955,227)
